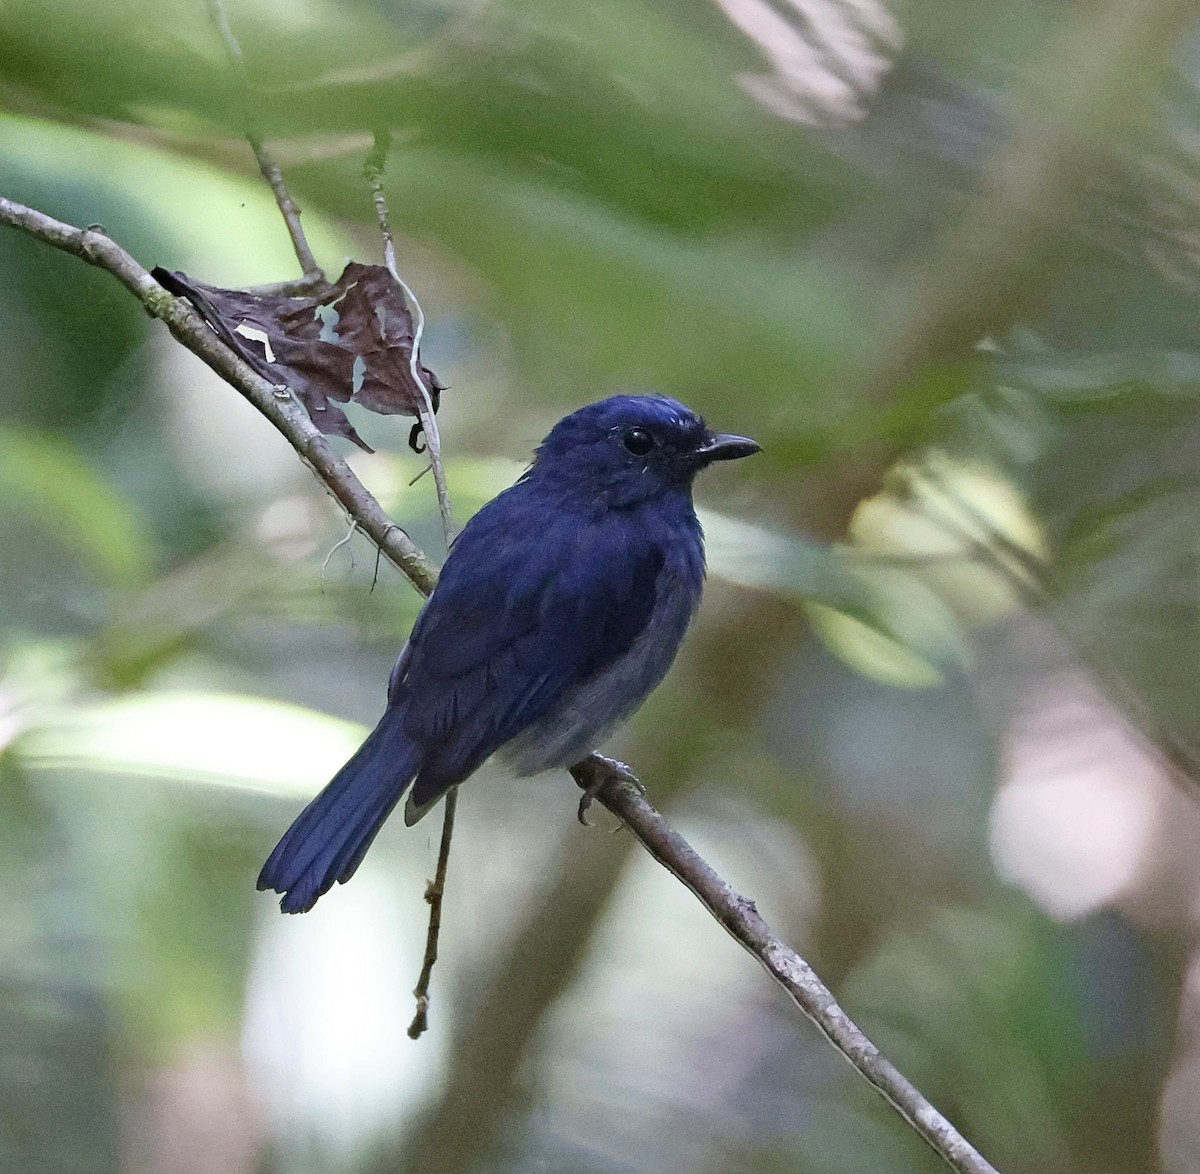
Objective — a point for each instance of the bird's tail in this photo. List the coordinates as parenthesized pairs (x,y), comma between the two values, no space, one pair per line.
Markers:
(332,834)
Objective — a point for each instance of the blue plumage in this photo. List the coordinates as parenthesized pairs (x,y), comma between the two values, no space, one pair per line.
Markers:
(560,607)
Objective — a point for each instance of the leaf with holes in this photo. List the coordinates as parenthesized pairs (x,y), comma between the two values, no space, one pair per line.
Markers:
(352,340)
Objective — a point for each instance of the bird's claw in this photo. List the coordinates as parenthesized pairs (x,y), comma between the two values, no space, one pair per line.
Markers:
(594,773)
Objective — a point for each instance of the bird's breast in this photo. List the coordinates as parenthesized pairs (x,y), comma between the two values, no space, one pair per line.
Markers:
(589,711)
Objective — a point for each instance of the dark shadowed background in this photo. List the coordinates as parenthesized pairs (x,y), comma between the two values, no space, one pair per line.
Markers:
(938,715)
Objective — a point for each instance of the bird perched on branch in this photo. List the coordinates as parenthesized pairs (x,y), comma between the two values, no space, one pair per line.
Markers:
(561,606)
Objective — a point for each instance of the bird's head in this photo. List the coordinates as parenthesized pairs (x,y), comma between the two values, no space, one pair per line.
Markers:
(631,448)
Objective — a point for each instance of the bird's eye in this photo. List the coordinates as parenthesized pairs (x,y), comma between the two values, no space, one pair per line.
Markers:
(638,441)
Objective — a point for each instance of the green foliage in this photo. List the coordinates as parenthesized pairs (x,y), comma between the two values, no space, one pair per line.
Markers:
(592,198)
(46,484)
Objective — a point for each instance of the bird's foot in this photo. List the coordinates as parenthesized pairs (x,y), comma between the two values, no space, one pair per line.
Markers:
(594,773)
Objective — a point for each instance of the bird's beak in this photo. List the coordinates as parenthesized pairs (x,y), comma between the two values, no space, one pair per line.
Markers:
(722,446)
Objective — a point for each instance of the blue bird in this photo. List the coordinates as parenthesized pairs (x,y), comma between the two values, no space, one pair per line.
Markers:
(561,606)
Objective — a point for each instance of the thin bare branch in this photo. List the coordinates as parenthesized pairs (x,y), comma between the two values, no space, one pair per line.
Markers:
(288,207)
(738,915)
(335,548)
(274,401)
(373,169)
(434,893)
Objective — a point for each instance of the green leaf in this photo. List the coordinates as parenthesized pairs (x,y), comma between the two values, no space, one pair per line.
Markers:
(45,479)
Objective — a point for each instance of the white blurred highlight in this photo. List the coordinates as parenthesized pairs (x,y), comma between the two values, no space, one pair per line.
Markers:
(827,56)
(1078,814)
(327,1014)
(202,738)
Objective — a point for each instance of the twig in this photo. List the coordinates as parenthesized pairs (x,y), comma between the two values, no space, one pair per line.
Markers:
(434,892)
(735,913)
(274,401)
(373,169)
(336,547)
(288,207)
(740,917)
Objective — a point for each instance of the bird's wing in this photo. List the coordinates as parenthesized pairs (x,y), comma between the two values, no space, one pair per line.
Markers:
(527,607)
